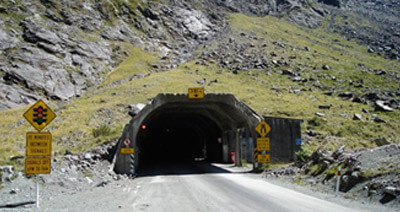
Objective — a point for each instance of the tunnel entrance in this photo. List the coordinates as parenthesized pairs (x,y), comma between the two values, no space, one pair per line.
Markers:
(173,129)
(179,137)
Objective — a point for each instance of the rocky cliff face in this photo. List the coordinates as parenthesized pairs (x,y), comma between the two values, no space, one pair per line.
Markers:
(59,48)
(374,23)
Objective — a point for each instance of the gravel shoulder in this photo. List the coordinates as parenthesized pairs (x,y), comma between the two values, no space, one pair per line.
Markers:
(101,190)
(318,192)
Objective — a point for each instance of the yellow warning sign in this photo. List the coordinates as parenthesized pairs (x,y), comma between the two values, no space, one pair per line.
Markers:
(264,158)
(127,151)
(37,165)
(38,144)
(39,115)
(263,144)
(196,93)
(263,128)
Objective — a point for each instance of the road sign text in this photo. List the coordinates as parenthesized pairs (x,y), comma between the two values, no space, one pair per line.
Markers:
(37,165)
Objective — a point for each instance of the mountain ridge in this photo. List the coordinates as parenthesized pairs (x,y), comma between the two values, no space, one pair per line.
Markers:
(57,49)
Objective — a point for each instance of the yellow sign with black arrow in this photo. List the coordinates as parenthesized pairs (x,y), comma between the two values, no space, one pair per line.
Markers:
(263,128)
(196,93)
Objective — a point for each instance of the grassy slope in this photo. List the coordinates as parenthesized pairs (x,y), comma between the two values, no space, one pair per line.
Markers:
(344,57)
(106,105)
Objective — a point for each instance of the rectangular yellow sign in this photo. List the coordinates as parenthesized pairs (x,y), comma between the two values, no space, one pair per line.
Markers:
(264,158)
(263,144)
(127,151)
(196,93)
(38,165)
(38,144)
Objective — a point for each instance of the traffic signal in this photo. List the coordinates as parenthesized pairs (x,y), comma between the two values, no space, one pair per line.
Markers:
(39,115)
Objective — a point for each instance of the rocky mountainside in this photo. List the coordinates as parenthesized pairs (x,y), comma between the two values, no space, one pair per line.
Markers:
(332,63)
(57,49)
(374,23)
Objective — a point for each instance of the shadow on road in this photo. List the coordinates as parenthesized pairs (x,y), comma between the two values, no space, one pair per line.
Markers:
(180,168)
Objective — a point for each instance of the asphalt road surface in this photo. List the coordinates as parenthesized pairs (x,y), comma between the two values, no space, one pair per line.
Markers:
(188,187)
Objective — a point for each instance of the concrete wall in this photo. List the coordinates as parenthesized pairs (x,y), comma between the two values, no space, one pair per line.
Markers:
(283,136)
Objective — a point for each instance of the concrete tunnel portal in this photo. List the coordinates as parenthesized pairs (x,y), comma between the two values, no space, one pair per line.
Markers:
(173,128)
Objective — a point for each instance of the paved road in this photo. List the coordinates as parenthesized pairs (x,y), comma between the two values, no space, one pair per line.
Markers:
(202,188)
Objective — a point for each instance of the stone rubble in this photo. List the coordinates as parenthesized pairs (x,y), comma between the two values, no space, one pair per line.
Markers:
(368,173)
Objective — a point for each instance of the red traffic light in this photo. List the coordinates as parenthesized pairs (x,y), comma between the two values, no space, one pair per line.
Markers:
(143,127)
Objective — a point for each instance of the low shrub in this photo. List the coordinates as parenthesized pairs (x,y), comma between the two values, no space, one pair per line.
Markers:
(103,130)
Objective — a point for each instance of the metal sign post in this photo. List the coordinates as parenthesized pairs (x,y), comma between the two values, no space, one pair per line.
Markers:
(338,180)
(38,144)
(37,191)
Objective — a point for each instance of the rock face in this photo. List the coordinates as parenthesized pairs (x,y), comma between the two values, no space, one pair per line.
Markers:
(383,40)
(57,49)
(46,56)
(60,53)
(336,3)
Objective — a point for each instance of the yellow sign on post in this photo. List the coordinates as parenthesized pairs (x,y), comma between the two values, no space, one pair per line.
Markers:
(263,144)
(263,128)
(38,144)
(196,93)
(265,158)
(37,165)
(39,115)
(127,151)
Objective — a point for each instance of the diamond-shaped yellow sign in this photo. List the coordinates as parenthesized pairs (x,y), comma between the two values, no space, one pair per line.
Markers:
(39,115)
(263,128)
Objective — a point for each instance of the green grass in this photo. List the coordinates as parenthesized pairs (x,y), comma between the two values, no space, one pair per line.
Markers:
(139,61)
(299,180)
(81,120)
(304,154)
(381,170)
(344,58)
(102,130)
(317,169)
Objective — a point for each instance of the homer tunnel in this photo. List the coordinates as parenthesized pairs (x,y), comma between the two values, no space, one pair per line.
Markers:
(173,128)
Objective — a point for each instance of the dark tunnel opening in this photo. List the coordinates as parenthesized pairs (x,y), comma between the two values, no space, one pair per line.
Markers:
(173,130)
(173,138)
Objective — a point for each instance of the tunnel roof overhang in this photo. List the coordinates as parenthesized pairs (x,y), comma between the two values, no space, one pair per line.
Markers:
(224,109)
